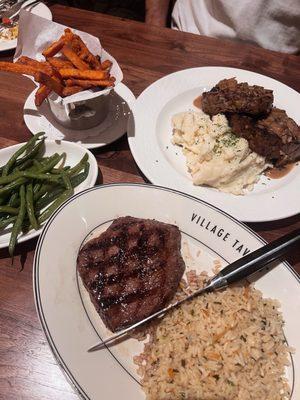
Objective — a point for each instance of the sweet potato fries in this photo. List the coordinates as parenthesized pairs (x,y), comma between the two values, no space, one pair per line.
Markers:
(74,70)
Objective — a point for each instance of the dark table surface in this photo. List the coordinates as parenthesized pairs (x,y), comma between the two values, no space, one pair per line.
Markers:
(27,367)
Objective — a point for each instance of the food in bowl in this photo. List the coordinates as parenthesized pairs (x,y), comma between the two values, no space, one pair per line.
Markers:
(33,186)
(215,156)
(222,345)
(74,70)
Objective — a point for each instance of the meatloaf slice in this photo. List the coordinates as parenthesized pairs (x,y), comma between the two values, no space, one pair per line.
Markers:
(132,269)
(276,137)
(233,97)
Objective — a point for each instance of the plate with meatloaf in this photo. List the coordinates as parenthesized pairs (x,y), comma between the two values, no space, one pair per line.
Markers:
(114,254)
(228,136)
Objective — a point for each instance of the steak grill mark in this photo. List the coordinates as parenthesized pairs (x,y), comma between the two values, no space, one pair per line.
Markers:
(132,269)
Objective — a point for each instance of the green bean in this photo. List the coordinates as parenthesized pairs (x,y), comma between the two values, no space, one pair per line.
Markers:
(59,171)
(9,210)
(52,162)
(61,166)
(78,167)
(44,188)
(50,196)
(67,181)
(40,176)
(11,186)
(29,206)
(10,163)
(14,200)
(50,210)
(32,153)
(17,227)
(78,179)
(6,222)
(37,165)
(23,162)
(25,165)
(9,178)
(27,174)
(37,187)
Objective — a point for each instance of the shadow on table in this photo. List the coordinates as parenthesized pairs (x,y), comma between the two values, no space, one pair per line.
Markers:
(286,225)
(21,253)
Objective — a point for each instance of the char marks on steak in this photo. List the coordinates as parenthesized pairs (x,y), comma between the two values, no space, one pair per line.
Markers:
(132,269)
(230,96)
(275,137)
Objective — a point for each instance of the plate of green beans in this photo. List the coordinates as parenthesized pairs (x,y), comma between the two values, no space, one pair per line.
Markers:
(36,177)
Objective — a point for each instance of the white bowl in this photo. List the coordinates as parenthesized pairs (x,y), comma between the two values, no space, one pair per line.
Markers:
(74,153)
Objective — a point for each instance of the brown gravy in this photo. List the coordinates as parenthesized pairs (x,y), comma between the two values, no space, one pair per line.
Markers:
(198,102)
(277,173)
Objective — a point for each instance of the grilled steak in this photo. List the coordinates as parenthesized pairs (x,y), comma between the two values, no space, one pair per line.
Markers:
(233,97)
(131,270)
(276,137)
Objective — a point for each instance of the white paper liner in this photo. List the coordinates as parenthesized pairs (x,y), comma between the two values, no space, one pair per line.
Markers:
(37,33)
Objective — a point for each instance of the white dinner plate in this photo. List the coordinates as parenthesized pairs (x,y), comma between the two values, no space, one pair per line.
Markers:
(163,163)
(39,9)
(70,321)
(74,153)
(111,129)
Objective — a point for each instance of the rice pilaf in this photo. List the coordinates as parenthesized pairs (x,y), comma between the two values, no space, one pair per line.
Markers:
(223,345)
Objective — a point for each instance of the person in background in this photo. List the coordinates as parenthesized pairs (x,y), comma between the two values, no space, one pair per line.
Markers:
(272,24)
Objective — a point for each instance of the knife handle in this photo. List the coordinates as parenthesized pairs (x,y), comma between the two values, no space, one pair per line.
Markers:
(255,261)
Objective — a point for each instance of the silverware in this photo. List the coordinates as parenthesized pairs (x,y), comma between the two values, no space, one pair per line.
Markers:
(14,11)
(234,272)
(15,8)
(6,4)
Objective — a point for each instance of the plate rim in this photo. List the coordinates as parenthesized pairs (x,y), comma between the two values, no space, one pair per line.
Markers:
(35,275)
(93,172)
(130,100)
(132,141)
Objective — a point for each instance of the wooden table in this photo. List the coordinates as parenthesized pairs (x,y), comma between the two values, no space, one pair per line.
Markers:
(27,367)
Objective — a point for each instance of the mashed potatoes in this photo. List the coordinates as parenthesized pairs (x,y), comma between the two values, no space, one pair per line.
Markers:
(214,155)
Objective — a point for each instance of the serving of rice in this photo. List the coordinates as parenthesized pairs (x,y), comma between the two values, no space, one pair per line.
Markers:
(223,345)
